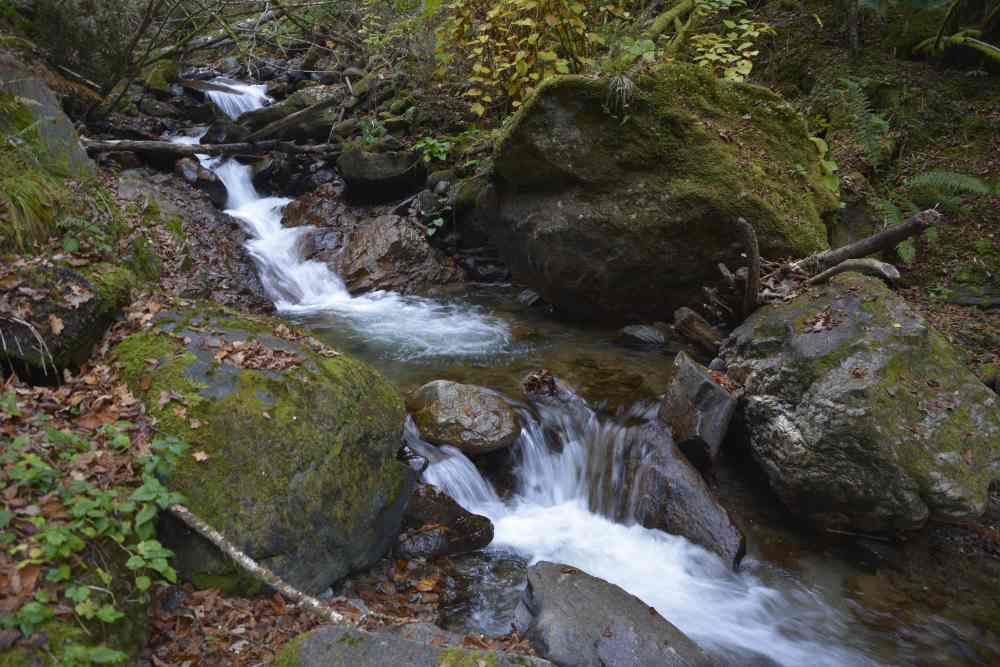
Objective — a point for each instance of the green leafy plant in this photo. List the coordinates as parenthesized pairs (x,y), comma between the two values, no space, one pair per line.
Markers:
(432,149)
(730,54)
(827,166)
(372,131)
(434,225)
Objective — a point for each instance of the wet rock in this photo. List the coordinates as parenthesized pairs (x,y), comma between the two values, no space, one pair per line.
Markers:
(205,180)
(643,335)
(386,252)
(577,620)
(435,525)
(316,128)
(333,646)
(861,415)
(667,493)
(157,109)
(529,297)
(381,177)
(698,412)
(473,419)
(590,210)
(300,470)
(224,131)
(68,311)
(696,329)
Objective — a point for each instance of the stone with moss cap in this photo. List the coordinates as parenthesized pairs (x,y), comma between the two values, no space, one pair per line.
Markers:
(626,216)
(333,646)
(70,310)
(860,413)
(299,467)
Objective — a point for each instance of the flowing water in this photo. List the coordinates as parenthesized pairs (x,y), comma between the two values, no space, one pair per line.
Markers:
(792,616)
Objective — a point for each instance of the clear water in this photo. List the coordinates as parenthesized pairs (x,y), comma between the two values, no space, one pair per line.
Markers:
(794,616)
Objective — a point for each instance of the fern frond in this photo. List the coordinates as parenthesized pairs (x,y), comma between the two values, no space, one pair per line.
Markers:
(950,182)
(891,214)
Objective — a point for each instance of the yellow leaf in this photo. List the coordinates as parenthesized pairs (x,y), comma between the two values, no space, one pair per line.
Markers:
(478,109)
(56,325)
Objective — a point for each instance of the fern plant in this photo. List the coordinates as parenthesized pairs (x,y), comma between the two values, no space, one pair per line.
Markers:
(931,189)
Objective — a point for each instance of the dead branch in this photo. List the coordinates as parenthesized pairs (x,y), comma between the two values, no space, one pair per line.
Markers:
(866,265)
(884,240)
(752,288)
(253,567)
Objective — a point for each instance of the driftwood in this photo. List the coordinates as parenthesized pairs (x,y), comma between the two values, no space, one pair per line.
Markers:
(866,265)
(883,240)
(253,567)
(167,148)
(291,120)
(750,294)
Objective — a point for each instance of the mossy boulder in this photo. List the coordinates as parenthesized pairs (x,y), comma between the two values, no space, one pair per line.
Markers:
(316,127)
(626,215)
(332,645)
(860,413)
(296,446)
(63,314)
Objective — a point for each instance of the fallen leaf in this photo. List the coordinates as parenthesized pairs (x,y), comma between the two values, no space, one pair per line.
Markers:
(56,325)
(200,456)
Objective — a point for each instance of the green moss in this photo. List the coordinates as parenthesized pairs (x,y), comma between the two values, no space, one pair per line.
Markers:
(58,636)
(459,657)
(112,283)
(161,74)
(290,654)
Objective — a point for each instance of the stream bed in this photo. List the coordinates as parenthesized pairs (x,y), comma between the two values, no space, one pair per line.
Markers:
(796,600)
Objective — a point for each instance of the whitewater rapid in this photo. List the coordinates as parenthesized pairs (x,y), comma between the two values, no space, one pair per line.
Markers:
(412,327)
(733,614)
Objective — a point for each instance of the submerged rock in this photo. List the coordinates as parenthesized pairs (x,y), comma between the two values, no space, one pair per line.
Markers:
(435,525)
(299,444)
(64,313)
(697,410)
(338,646)
(862,415)
(576,620)
(473,419)
(381,177)
(628,218)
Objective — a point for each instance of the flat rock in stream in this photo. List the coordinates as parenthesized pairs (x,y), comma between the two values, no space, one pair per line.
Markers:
(576,620)
(337,646)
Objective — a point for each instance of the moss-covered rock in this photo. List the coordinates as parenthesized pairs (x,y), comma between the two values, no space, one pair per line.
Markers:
(336,645)
(68,312)
(628,215)
(299,444)
(317,127)
(860,414)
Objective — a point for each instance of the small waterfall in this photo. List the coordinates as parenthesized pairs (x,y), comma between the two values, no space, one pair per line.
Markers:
(413,327)
(551,516)
(238,98)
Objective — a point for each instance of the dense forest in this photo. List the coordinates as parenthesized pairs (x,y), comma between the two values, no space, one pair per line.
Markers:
(499,332)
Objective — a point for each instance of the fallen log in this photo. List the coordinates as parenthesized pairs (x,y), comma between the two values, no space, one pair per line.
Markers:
(884,240)
(291,120)
(167,148)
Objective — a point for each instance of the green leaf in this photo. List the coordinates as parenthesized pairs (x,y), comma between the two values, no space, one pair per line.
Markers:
(478,109)
(143,583)
(145,515)
(109,614)
(70,244)
(60,573)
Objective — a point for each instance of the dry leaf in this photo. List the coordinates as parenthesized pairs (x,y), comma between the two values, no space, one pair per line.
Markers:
(56,325)
(200,456)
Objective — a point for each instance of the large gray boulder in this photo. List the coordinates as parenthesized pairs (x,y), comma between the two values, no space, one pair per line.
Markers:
(861,414)
(576,620)
(381,177)
(473,419)
(627,216)
(296,446)
(338,646)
